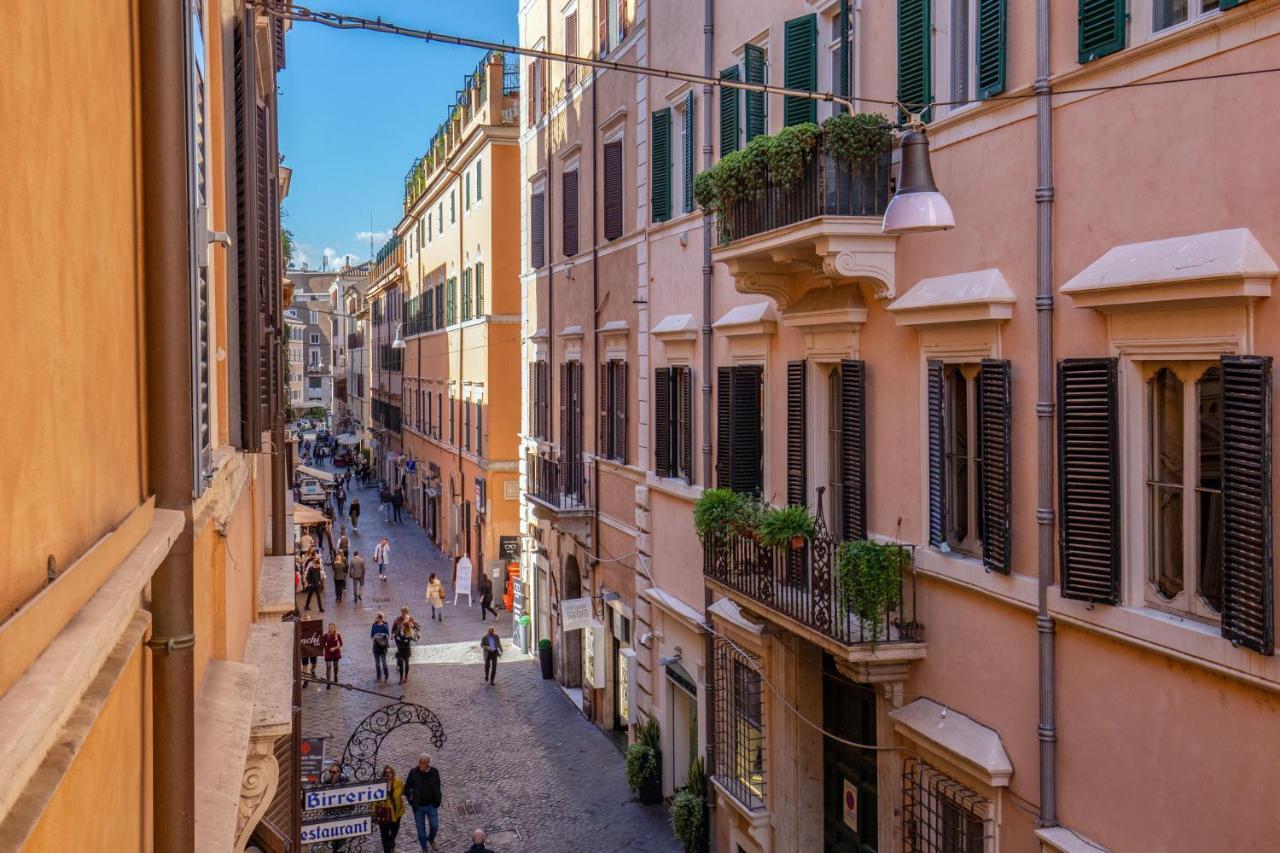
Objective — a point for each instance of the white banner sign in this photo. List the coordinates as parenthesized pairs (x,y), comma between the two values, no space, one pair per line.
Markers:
(332,830)
(344,795)
(575,613)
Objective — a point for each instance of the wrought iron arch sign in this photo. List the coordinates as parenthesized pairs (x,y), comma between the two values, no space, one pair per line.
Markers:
(360,756)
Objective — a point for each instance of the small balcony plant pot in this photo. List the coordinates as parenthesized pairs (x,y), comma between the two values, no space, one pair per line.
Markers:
(650,792)
(544,658)
(797,542)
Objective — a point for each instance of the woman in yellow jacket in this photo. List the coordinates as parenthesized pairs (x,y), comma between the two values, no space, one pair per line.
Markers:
(387,813)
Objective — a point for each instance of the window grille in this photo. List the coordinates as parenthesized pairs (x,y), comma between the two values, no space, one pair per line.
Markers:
(939,815)
(739,721)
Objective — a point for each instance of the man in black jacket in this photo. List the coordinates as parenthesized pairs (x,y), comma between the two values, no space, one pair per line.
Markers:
(422,792)
(491,645)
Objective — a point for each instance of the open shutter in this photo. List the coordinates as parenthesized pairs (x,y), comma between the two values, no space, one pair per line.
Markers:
(248,302)
(796,438)
(660,164)
(613,190)
(690,106)
(991,47)
(662,421)
(569,186)
(724,427)
(748,439)
(620,412)
(915,66)
(1248,587)
(564,409)
(544,399)
(800,69)
(576,438)
(1102,26)
(604,419)
(570,49)
(480,289)
(1088,480)
(602,23)
(533,400)
(728,112)
(937,438)
(853,450)
(531,103)
(845,85)
(996,487)
(537,238)
(1230,4)
(753,64)
(684,404)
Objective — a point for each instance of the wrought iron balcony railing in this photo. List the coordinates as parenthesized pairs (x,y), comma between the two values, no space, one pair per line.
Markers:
(560,484)
(829,187)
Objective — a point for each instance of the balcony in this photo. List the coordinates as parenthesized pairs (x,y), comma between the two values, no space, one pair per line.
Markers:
(799,591)
(558,490)
(355,340)
(820,231)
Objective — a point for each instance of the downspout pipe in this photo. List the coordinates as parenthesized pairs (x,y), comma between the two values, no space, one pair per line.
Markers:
(1047,728)
(708,282)
(595,301)
(170,466)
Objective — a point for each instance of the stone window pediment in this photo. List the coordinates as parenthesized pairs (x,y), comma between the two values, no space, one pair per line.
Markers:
(969,297)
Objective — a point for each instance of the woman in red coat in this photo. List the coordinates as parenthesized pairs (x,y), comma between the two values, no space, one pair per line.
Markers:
(332,643)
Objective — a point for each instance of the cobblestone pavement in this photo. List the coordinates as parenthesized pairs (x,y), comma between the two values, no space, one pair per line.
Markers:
(519,760)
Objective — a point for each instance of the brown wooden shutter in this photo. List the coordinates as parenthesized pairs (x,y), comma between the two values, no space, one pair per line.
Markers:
(602,19)
(533,399)
(724,427)
(748,438)
(248,302)
(853,449)
(613,190)
(603,420)
(937,457)
(576,375)
(662,421)
(569,185)
(571,49)
(1088,480)
(1248,586)
(544,400)
(996,484)
(532,103)
(620,413)
(537,236)
(684,403)
(796,438)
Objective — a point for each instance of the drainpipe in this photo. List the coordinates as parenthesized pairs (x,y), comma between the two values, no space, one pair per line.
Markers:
(595,302)
(458,304)
(170,466)
(279,466)
(1047,729)
(708,281)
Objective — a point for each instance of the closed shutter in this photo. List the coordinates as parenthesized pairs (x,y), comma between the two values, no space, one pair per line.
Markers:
(1088,480)
(531,104)
(533,399)
(662,422)
(612,190)
(571,49)
(800,69)
(660,164)
(684,403)
(728,113)
(467,192)
(620,413)
(915,59)
(853,449)
(603,421)
(796,439)
(440,306)
(992,24)
(753,64)
(576,438)
(937,456)
(480,289)
(564,408)
(994,413)
(537,237)
(845,85)
(1102,26)
(479,180)
(724,427)
(544,399)
(1248,587)
(452,306)
(690,105)
(569,206)
(748,439)
(248,302)
(467,304)
(479,426)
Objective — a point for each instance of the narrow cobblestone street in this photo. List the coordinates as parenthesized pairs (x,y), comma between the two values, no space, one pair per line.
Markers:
(514,759)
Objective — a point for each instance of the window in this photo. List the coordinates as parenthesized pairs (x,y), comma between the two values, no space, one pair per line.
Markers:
(939,815)
(479,288)
(660,165)
(570,49)
(315,337)
(613,190)
(201,328)
(451,300)
(314,358)
(467,302)
(840,64)
(440,289)
(466,425)
(428,227)
(453,206)
(569,211)
(1102,26)
(537,237)
(673,422)
(314,382)
(969,485)
(467,182)
(439,413)
(452,411)
(440,215)
(571,416)
(613,410)
(800,69)
(539,400)
(683,151)
(479,180)
(739,429)
(479,430)
(730,98)
(315,317)
(739,722)
(1170,13)
(613,24)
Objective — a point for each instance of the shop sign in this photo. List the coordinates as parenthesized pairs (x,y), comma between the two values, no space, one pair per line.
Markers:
(509,548)
(517,598)
(575,613)
(333,830)
(311,759)
(310,632)
(850,805)
(344,795)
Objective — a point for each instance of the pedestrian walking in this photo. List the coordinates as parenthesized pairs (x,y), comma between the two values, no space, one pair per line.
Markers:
(397,502)
(486,596)
(384,504)
(491,644)
(435,597)
(380,634)
(340,495)
(315,582)
(404,631)
(307,541)
(423,794)
(355,571)
(382,556)
(339,566)
(477,842)
(387,813)
(353,512)
(344,544)
(332,643)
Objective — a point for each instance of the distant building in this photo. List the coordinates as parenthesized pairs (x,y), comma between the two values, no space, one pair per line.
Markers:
(311,299)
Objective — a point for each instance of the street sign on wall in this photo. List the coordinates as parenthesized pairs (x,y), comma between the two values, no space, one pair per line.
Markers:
(333,830)
(344,795)
(576,613)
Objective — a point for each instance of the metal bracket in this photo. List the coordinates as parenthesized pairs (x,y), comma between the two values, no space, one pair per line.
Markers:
(172,644)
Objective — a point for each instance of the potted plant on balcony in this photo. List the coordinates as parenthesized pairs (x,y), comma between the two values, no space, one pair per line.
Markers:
(791,526)
(644,763)
(689,810)
(544,657)
(719,512)
(856,139)
(868,582)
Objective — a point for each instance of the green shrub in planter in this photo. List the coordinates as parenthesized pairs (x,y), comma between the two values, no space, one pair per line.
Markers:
(688,822)
(856,139)
(718,512)
(788,526)
(642,765)
(868,580)
(544,643)
(525,620)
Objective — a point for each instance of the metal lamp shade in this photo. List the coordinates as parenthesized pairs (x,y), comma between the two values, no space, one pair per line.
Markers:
(398,343)
(917,206)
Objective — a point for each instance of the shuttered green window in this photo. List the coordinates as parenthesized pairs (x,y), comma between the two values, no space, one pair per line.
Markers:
(453,300)
(480,289)
(753,64)
(688,150)
(800,69)
(660,165)
(991,47)
(1102,25)
(1230,4)
(729,113)
(915,60)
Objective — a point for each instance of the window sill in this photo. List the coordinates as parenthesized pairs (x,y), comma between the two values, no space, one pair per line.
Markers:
(1017,589)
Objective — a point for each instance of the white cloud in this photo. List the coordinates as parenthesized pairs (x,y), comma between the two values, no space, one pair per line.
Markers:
(376,236)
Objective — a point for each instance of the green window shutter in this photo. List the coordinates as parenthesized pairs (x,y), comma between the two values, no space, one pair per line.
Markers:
(753,62)
(991,47)
(915,66)
(453,300)
(1230,4)
(800,69)
(466,294)
(728,113)
(1101,28)
(480,289)
(660,164)
(689,125)
(479,182)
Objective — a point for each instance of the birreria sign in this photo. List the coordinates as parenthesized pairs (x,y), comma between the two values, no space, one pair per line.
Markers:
(344,795)
(331,830)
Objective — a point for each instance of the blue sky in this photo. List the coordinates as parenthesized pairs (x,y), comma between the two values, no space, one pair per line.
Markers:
(357,107)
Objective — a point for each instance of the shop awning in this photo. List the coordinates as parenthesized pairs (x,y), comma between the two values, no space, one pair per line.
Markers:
(348,440)
(307,515)
(316,473)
